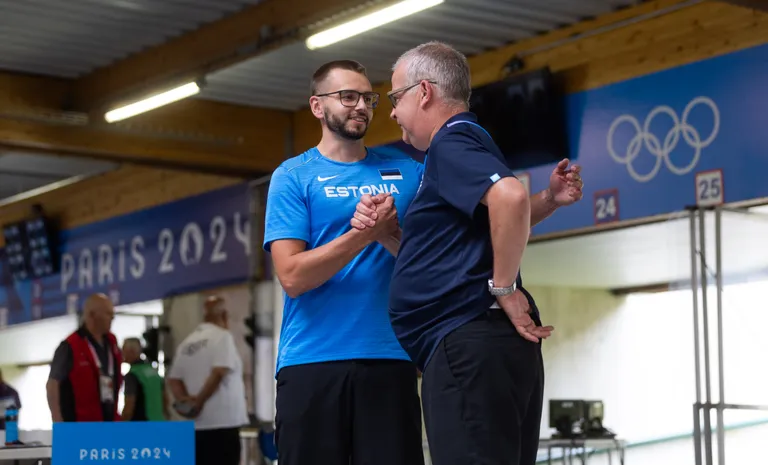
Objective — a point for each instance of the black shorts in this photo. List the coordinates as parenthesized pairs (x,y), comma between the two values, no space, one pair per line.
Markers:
(483,391)
(217,446)
(360,412)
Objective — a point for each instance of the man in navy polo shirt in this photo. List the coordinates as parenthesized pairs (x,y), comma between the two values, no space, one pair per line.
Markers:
(456,299)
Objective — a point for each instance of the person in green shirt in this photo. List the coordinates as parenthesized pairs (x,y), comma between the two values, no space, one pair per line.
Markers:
(145,394)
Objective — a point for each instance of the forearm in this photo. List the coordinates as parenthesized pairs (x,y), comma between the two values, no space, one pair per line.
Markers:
(52,390)
(392,243)
(510,217)
(542,206)
(178,389)
(310,269)
(210,386)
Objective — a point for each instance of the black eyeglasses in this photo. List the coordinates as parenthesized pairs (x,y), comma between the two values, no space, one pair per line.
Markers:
(349,98)
(394,94)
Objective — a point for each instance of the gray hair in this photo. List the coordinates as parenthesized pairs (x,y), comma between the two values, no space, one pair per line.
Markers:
(442,63)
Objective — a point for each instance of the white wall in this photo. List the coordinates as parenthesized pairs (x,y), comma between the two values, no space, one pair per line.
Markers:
(636,354)
(34,342)
(30,383)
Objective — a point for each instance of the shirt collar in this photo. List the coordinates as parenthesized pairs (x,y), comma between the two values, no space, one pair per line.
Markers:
(86,334)
(463,116)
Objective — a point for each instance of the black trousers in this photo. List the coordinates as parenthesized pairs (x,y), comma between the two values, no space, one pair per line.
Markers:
(361,412)
(217,446)
(483,392)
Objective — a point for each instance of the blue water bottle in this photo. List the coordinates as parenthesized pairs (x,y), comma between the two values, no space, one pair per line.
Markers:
(11,426)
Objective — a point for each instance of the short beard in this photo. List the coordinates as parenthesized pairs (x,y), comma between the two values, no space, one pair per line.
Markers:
(339,126)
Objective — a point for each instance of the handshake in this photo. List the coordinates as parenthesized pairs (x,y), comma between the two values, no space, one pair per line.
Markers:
(376,215)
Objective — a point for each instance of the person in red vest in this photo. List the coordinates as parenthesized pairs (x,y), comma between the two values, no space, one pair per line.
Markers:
(85,373)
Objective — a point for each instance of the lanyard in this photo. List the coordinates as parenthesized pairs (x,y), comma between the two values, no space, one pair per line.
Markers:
(111,367)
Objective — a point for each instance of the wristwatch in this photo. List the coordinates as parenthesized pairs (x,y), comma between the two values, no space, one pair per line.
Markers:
(501,290)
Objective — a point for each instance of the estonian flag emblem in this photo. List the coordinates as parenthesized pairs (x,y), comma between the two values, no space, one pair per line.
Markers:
(391,174)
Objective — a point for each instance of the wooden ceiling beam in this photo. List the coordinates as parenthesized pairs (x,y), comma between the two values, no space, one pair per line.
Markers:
(22,94)
(253,31)
(761,5)
(193,134)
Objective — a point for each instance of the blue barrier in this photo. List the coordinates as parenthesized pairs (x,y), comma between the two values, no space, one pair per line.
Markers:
(167,443)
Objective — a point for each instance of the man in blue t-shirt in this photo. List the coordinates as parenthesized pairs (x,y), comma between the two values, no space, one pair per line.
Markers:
(456,302)
(346,390)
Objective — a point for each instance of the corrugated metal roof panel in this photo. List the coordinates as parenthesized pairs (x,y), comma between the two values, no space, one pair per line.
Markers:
(69,38)
(280,79)
(22,172)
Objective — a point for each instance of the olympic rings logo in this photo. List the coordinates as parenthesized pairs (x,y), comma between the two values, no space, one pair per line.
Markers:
(643,137)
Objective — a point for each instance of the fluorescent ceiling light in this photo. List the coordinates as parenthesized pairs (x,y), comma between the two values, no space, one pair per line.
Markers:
(152,102)
(368,22)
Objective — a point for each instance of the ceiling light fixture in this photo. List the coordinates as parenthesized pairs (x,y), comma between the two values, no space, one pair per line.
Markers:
(153,102)
(368,22)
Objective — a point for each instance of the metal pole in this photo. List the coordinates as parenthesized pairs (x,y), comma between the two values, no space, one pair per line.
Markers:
(705,317)
(253,272)
(252,452)
(697,355)
(720,361)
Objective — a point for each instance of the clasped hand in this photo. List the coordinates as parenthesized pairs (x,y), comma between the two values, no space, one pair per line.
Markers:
(518,310)
(377,214)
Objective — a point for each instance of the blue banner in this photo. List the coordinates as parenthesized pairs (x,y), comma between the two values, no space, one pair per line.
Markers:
(656,144)
(163,442)
(196,243)
(653,145)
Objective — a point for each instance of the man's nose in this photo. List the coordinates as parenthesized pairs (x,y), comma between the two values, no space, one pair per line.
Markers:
(392,114)
(361,104)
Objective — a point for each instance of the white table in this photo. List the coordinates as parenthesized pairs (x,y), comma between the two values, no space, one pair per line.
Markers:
(40,451)
(581,448)
(14,454)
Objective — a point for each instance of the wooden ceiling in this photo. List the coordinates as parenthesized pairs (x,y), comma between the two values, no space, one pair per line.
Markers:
(63,114)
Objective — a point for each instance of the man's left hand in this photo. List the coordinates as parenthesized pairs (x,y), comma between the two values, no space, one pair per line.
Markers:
(565,184)
(518,310)
(365,212)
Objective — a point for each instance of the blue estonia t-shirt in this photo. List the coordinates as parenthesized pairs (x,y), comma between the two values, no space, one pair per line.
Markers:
(440,281)
(312,198)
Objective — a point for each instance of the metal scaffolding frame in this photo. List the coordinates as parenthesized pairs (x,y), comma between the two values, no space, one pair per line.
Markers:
(702,408)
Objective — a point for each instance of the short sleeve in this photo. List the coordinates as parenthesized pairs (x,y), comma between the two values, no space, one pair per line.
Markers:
(131,385)
(225,353)
(466,169)
(62,363)
(287,216)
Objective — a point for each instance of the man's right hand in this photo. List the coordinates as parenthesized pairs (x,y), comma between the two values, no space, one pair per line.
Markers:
(377,213)
(517,308)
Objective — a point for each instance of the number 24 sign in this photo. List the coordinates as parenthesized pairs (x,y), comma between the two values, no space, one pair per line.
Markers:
(606,206)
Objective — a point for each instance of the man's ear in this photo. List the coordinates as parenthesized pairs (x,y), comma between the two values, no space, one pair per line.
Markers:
(316,107)
(426,93)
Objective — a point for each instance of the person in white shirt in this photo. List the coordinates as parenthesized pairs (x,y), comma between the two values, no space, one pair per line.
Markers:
(206,379)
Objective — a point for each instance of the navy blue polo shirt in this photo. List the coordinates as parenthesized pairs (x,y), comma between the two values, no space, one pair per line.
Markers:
(440,280)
